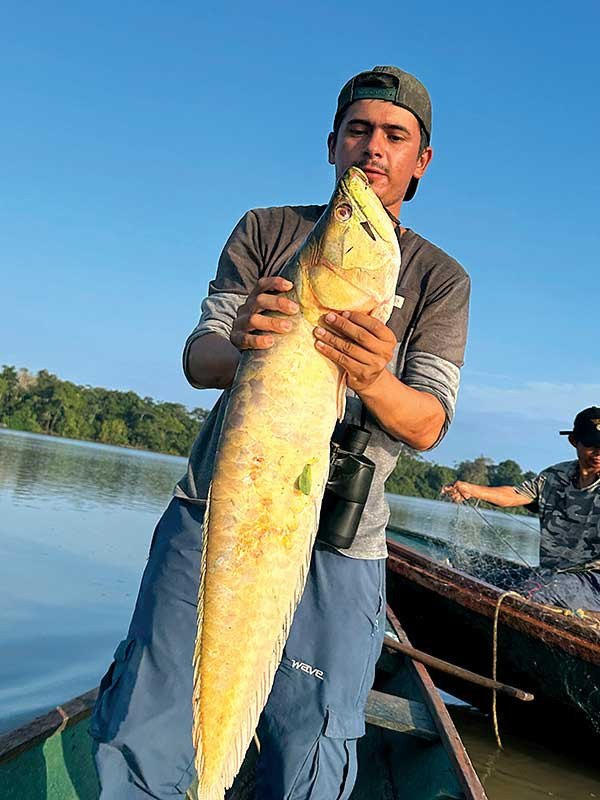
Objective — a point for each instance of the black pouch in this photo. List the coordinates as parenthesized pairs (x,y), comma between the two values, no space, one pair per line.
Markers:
(347,489)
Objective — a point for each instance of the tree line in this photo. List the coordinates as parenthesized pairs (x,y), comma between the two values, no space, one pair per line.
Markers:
(416,477)
(42,403)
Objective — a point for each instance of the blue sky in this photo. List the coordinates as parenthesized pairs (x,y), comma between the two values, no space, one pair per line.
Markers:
(134,136)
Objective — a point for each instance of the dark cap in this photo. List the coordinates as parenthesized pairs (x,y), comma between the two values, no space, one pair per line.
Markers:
(407,92)
(586,428)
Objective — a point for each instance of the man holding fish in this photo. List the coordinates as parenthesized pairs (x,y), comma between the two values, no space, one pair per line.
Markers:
(383,351)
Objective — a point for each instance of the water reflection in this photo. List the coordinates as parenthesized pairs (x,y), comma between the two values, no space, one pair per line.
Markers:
(40,468)
(523,770)
(76,521)
(447,525)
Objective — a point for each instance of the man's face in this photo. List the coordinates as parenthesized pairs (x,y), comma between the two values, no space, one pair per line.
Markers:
(383,140)
(588,457)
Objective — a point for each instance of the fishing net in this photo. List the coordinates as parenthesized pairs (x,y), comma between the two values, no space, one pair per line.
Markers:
(499,548)
(503,550)
(492,545)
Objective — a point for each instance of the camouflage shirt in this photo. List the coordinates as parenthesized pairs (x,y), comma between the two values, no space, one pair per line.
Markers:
(569,517)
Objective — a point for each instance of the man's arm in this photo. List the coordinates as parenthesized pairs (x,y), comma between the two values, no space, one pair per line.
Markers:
(417,405)
(503,496)
(417,414)
(363,346)
(231,318)
(422,416)
(212,359)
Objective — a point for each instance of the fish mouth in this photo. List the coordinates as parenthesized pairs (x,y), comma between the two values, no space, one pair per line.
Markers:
(358,172)
(354,170)
(371,170)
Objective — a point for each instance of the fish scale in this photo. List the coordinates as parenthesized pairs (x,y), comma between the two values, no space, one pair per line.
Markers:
(271,468)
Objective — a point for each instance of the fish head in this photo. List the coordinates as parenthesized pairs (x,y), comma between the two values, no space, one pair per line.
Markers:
(351,258)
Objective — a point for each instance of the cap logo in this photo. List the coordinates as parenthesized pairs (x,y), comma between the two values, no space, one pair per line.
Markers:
(596,423)
(374,92)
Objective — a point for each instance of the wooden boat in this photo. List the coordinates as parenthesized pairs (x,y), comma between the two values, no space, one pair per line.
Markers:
(555,656)
(411,748)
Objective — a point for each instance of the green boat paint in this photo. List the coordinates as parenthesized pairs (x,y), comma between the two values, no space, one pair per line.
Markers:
(51,757)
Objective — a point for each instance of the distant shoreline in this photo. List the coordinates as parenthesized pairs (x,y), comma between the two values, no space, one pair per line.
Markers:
(45,405)
(128,447)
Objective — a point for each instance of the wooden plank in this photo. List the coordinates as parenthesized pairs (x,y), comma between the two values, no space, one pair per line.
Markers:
(58,768)
(451,615)
(60,718)
(400,714)
(571,634)
(450,738)
(455,671)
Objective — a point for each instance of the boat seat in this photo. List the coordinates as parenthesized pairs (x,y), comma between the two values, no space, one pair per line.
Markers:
(399,714)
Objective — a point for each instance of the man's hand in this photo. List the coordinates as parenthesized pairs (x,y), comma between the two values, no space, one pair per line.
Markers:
(264,297)
(361,345)
(502,496)
(459,491)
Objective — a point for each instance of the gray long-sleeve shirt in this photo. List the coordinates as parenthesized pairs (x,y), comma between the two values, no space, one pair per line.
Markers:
(429,321)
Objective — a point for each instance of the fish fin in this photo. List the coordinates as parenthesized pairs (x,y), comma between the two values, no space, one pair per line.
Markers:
(247,727)
(383,311)
(265,682)
(196,724)
(341,395)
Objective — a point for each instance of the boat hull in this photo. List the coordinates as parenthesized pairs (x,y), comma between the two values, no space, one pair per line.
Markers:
(411,748)
(557,658)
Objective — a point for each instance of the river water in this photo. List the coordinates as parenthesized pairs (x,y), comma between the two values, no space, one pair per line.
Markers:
(76,520)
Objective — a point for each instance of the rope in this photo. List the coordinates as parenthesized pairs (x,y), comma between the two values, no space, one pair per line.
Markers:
(495,662)
(589,616)
(64,719)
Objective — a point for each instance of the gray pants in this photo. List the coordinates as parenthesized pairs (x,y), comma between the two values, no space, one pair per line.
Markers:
(571,590)
(315,713)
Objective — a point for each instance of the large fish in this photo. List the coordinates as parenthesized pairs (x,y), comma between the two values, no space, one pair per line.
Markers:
(271,467)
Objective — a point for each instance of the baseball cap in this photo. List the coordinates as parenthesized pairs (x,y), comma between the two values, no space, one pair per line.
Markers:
(586,427)
(406,91)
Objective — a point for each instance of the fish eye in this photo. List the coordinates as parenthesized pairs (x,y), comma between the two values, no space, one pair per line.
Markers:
(343,212)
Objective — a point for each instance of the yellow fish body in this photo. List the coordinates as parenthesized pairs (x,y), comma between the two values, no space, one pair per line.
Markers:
(270,472)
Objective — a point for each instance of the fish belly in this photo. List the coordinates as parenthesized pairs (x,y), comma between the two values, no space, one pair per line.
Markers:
(261,524)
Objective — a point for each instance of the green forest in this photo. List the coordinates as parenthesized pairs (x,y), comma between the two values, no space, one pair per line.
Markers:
(43,403)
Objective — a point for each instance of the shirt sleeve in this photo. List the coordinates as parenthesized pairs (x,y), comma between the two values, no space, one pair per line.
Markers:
(436,348)
(532,488)
(240,266)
